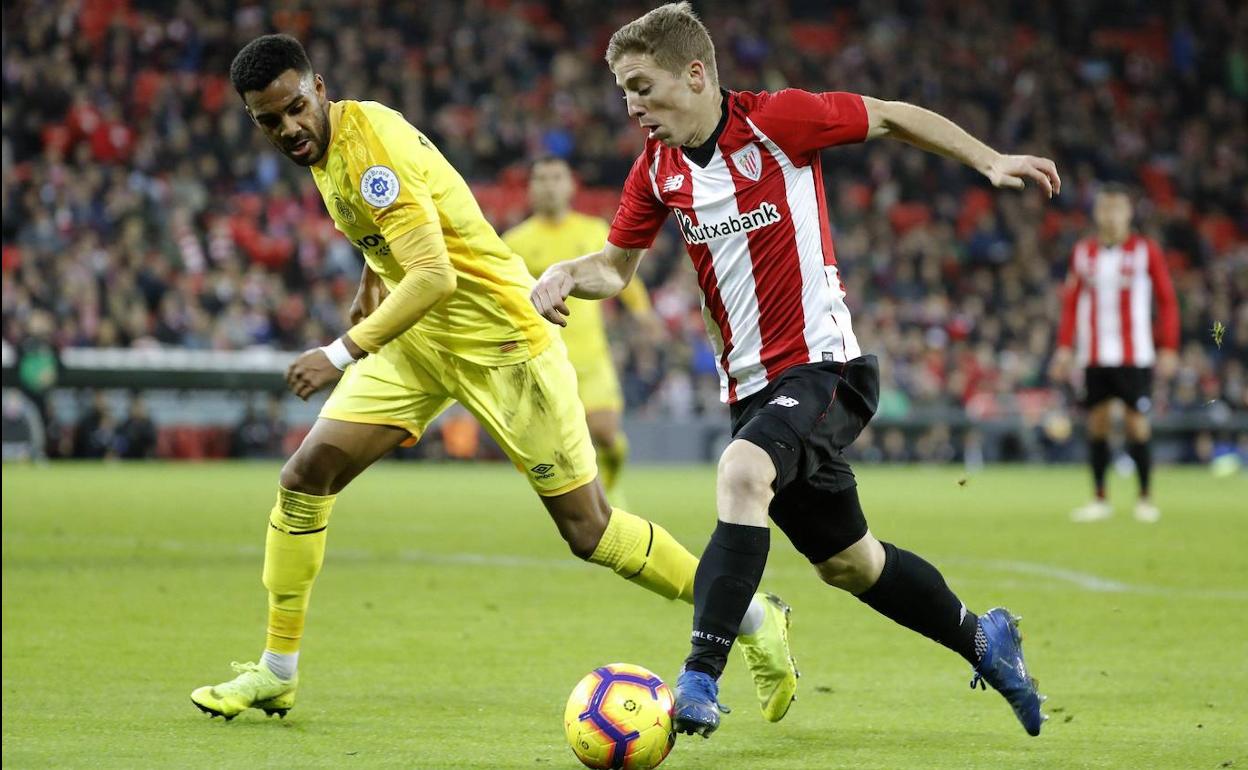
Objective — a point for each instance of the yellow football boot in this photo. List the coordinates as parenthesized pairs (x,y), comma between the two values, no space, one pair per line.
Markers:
(254,687)
(771,663)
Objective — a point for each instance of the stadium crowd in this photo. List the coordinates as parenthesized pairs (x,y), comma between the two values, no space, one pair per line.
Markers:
(141,209)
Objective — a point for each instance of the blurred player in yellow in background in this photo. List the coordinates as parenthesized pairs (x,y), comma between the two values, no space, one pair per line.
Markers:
(555,233)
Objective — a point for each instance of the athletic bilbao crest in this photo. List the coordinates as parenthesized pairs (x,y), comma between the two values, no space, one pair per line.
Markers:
(749,162)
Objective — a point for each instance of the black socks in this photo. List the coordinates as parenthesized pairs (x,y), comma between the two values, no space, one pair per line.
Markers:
(727,577)
(1143,458)
(912,592)
(1098,454)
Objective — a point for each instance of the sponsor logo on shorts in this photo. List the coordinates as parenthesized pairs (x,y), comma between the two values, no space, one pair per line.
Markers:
(543,471)
(785,401)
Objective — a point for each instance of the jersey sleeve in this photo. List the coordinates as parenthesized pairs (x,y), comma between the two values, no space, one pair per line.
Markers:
(802,123)
(386,168)
(641,214)
(1166,331)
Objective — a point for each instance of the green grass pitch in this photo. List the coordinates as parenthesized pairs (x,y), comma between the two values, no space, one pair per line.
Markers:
(449,623)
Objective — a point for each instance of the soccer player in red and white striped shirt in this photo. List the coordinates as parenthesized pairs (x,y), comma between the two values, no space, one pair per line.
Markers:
(741,172)
(1116,279)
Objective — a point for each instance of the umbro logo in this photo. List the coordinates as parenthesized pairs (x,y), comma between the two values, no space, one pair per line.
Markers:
(543,470)
(785,401)
(673,183)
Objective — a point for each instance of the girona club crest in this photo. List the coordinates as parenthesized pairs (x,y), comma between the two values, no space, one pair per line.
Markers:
(749,162)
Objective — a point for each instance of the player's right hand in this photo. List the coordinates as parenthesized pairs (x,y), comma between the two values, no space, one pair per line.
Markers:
(550,292)
(1059,367)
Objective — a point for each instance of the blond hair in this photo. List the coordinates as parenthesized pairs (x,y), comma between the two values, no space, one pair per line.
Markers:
(672,34)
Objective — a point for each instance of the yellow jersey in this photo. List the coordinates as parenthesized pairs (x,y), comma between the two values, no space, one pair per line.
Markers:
(542,242)
(380,178)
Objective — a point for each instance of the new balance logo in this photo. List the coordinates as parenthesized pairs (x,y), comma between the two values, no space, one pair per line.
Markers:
(673,183)
(784,401)
(765,214)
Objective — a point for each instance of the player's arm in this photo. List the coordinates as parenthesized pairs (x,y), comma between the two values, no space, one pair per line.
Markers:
(368,296)
(428,280)
(1063,357)
(599,275)
(1167,329)
(935,133)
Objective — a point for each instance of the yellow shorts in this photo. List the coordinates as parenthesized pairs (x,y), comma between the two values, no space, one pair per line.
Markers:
(530,408)
(597,384)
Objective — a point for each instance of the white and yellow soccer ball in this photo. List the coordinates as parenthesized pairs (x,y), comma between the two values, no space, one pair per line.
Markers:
(620,716)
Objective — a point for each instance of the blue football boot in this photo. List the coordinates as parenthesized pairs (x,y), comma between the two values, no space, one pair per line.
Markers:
(697,707)
(1002,667)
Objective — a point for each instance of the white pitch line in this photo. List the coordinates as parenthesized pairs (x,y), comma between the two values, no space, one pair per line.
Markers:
(1090,582)
(1054,575)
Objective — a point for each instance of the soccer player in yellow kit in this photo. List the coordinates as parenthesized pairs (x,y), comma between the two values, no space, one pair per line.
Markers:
(556,233)
(454,324)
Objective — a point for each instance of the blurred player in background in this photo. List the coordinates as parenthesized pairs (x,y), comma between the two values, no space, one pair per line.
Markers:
(556,233)
(741,173)
(453,324)
(1107,326)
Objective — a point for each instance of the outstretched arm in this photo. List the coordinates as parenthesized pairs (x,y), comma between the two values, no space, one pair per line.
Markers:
(935,133)
(599,275)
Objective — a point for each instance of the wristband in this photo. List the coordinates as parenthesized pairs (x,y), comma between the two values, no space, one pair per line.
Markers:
(338,354)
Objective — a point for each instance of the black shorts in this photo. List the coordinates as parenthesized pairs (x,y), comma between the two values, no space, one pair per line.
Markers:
(1132,384)
(803,420)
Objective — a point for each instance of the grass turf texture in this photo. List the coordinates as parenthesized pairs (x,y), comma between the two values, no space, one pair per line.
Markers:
(449,623)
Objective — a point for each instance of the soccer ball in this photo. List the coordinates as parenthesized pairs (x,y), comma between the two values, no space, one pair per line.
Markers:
(620,716)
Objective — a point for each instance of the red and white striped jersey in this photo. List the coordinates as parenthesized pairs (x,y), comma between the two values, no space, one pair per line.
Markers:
(756,227)
(1107,306)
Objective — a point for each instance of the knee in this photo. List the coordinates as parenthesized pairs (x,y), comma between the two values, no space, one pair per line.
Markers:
(603,427)
(584,535)
(583,524)
(1138,428)
(308,471)
(1098,422)
(603,437)
(856,568)
(745,474)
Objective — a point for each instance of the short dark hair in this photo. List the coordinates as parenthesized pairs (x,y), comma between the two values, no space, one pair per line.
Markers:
(1114,188)
(264,59)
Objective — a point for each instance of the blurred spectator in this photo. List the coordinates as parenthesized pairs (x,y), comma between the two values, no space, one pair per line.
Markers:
(96,432)
(136,439)
(141,209)
(21,429)
(37,362)
(260,433)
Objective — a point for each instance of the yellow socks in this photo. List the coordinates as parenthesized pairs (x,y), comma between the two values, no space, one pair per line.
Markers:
(611,461)
(293,552)
(645,553)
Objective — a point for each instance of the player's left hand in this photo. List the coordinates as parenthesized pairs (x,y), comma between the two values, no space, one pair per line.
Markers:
(310,372)
(1014,171)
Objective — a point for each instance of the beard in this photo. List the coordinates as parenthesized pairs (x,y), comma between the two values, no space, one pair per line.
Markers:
(319,140)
